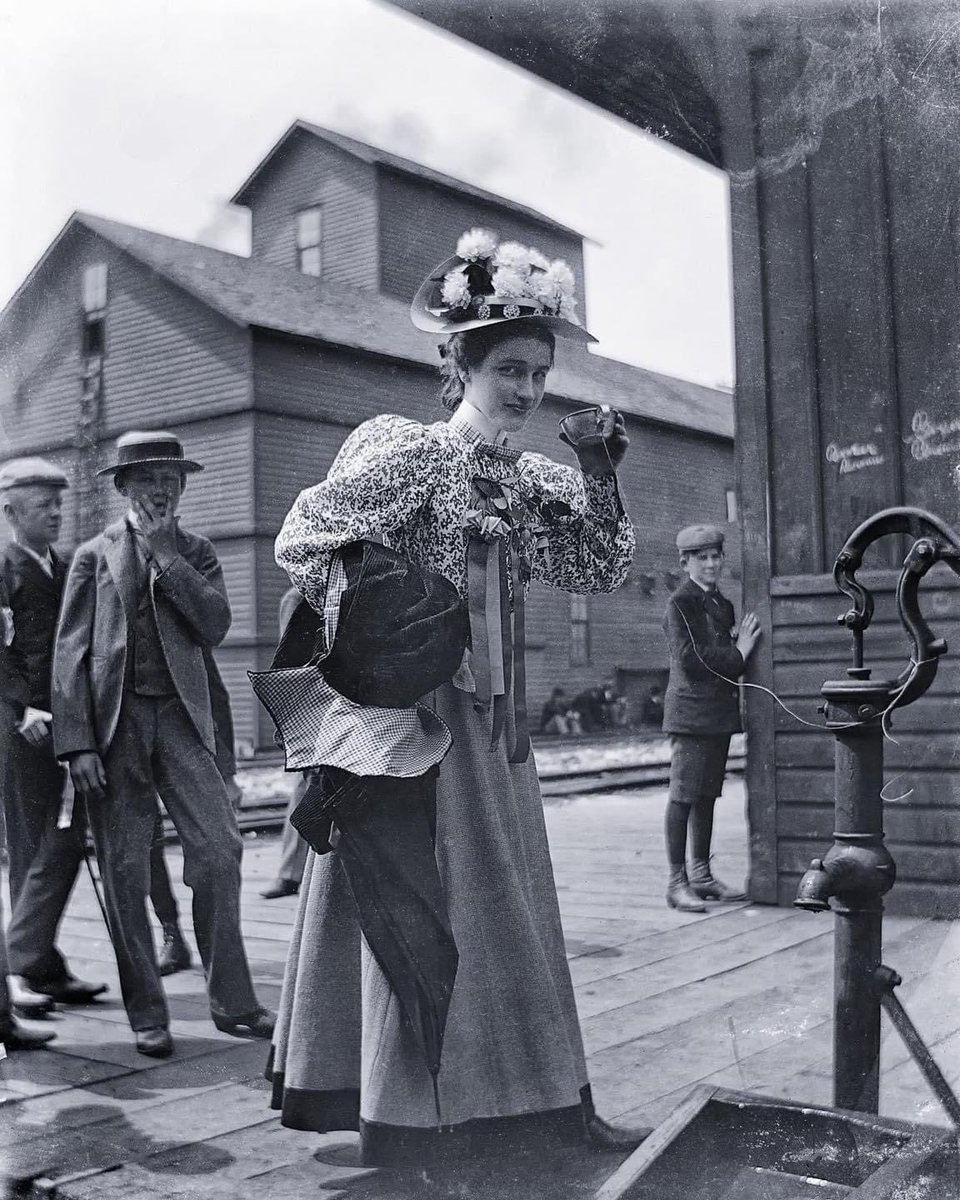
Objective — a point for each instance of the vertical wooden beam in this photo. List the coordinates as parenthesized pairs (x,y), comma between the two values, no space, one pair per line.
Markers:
(736,106)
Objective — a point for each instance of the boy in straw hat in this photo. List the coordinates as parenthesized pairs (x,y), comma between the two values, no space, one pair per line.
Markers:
(701,711)
(132,716)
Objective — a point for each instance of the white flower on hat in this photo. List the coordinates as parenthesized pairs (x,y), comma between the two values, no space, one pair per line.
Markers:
(508,282)
(562,276)
(543,287)
(476,244)
(514,257)
(568,309)
(538,260)
(455,291)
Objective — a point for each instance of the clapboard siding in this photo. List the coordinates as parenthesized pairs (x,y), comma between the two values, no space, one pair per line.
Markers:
(169,357)
(920,761)
(40,383)
(420,223)
(927,787)
(324,383)
(292,453)
(312,172)
(234,661)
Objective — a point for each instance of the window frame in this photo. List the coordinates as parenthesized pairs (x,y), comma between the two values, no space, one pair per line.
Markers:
(580,648)
(312,246)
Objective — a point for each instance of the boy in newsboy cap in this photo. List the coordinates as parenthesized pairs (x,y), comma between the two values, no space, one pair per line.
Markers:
(701,711)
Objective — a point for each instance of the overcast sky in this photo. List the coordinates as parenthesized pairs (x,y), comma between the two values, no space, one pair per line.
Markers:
(154,112)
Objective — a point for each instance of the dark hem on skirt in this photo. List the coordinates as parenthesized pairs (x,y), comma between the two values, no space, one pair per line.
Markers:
(415,1145)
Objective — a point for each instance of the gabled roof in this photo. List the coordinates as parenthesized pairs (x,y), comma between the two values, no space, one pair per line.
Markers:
(256,294)
(383,158)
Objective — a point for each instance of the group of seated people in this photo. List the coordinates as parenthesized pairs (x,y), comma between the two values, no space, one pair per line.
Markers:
(598,709)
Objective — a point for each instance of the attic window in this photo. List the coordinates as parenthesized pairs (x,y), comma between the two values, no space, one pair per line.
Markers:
(309,238)
(94,309)
(95,289)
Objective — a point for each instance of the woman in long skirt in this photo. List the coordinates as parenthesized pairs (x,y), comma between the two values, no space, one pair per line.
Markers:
(454,496)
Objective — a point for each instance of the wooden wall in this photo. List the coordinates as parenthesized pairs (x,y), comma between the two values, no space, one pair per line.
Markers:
(843,185)
(420,223)
(308,172)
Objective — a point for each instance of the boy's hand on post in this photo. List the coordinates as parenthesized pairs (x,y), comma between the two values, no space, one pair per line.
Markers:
(88,775)
(749,634)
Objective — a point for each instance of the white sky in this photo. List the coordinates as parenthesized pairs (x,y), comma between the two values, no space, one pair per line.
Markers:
(154,111)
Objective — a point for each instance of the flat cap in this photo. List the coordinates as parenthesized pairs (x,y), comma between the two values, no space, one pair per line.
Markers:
(699,537)
(24,472)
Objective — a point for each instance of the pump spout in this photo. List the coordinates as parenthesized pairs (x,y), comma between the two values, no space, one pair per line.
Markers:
(858,867)
(815,889)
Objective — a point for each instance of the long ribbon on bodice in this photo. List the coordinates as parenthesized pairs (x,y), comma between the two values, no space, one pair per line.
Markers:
(495,593)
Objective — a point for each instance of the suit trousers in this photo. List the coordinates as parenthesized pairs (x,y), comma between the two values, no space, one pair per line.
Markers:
(156,748)
(44,860)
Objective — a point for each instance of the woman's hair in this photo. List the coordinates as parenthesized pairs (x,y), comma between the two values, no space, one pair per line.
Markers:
(471,346)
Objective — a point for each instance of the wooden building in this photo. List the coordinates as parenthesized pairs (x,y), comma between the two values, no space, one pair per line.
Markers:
(837,124)
(264,364)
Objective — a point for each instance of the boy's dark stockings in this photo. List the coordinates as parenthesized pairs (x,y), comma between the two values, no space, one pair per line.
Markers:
(699,815)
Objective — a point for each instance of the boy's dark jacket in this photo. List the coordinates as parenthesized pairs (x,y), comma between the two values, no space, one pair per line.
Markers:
(35,599)
(699,627)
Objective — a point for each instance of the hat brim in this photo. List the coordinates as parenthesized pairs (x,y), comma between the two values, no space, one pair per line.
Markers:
(425,317)
(185,464)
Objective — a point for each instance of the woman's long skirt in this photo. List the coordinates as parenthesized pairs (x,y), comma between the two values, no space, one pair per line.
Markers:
(512,1065)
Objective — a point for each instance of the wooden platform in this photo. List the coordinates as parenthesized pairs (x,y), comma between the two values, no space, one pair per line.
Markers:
(740,997)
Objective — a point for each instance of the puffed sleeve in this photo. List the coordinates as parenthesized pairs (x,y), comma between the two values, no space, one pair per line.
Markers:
(384,473)
(590,538)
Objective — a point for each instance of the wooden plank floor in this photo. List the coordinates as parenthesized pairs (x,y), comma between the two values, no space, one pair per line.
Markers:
(740,997)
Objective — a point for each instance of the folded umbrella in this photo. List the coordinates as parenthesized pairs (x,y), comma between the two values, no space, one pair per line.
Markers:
(384,832)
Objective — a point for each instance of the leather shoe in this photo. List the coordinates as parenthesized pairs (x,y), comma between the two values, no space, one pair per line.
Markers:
(254,1025)
(174,953)
(679,895)
(282,887)
(16,1037)
(155,1042)
(31,1005)
(601,1135)
(69,990)
(704,884)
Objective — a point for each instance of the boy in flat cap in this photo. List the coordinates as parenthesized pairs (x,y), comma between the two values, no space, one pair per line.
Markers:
(701,711)
(44,859)
(13,1035)
(132,716)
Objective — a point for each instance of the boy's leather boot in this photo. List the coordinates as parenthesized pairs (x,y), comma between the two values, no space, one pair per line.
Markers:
(704,885)
(679,895)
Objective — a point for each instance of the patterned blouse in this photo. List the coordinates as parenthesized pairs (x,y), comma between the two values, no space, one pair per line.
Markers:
(412,484)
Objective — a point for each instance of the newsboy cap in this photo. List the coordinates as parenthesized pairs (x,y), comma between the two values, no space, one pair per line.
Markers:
(699,537)
(26,472)
(137,449)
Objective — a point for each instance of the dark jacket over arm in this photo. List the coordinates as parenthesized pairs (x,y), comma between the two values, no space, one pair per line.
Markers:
(699,629)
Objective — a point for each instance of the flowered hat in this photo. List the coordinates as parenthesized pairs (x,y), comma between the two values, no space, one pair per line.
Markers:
(486,283)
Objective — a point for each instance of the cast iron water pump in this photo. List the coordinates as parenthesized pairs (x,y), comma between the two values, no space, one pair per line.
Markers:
(858,870)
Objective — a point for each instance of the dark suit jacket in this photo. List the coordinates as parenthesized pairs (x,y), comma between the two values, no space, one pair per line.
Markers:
(99,608)
(699,628)
(34,598)
(13,688)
